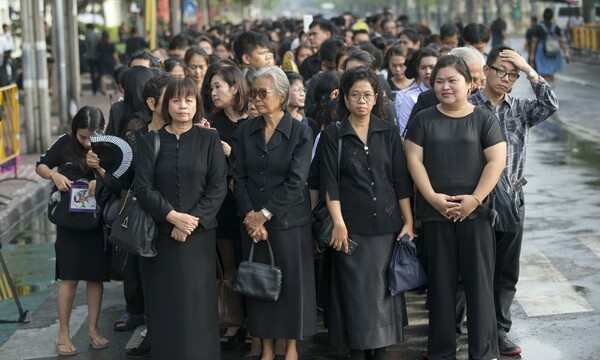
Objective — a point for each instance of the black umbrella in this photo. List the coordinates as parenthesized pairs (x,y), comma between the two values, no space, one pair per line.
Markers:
(114,153)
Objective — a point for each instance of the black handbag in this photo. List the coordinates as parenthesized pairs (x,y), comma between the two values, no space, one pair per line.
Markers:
(134,230)
(405,271)
(322,225)
(60,213)
(505,215)
(258,281)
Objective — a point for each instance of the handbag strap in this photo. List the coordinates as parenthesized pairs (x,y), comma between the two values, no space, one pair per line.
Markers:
(156,146)
(338,124)
(251,256)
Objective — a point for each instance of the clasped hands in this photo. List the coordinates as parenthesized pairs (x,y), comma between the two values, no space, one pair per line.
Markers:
(184,225)
(255,225)
(456,208)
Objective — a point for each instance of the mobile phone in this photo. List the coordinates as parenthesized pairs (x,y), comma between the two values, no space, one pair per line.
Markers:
(352,245)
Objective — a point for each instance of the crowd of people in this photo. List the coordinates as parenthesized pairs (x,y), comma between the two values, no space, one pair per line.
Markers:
(399,130)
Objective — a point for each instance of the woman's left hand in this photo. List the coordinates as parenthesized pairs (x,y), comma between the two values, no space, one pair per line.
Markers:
(254,220)
(92,187)
(406,230)
(468,204)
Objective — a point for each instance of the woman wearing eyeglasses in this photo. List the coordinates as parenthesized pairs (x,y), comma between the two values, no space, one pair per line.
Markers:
(369,205)
(456,153)
(297,102)
(272,159)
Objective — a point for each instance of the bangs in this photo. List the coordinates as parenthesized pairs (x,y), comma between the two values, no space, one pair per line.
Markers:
(183,88)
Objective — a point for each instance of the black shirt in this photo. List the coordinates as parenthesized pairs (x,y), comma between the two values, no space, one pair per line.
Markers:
(189,177)
(310,66)
(453,153)
(373,178)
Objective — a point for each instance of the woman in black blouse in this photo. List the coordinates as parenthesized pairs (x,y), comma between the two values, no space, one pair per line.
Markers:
(369,203)
(228,91)
(272,159)
(183,193)
(456,153)
(80,255)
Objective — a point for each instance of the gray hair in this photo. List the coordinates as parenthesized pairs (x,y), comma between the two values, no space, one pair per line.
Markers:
(469,54)
(281,84)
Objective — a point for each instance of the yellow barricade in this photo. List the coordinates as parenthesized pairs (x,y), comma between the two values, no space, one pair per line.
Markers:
(10,133)
(587,37)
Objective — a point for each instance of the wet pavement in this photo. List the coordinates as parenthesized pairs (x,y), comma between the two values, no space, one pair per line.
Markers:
(556,313)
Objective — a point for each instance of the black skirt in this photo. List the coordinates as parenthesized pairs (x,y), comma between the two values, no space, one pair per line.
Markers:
(294,314)
(364,315)
(181,297)
(82,255)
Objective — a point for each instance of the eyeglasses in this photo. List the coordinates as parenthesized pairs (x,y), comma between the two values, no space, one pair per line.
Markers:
(355,96)
(262,93)
(502,73)
(299,90)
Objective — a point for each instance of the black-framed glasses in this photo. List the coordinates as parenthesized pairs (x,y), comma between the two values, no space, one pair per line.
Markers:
(262,93)
(356,96)
(502,73)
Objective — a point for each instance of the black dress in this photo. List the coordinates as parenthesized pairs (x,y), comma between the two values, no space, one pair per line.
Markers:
(273,175)
(228,218)
(190,177)
(373,178)
(80,255)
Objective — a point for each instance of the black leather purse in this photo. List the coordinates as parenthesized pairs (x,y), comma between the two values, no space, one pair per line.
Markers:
(134,230)
(322,225)
(258,281)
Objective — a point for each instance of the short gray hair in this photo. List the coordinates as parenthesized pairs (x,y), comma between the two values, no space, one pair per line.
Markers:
(281,84)
(469,54)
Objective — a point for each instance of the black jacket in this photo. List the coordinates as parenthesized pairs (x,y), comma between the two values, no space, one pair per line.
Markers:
(273,175)
(425,100)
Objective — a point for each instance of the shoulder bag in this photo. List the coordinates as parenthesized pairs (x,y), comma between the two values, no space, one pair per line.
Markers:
(258,281)
(133,229)
(231,310)
(504,215)
(322,226)
(63,212)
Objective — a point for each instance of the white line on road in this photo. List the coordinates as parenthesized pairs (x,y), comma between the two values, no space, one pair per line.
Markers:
(543,290)
(593,243)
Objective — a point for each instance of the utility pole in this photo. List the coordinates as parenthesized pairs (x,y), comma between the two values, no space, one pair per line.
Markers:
(28,74)
(72,35)
(42,75)
(175,16)
(61,61)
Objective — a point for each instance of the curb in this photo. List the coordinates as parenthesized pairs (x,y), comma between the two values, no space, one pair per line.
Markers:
(23,201)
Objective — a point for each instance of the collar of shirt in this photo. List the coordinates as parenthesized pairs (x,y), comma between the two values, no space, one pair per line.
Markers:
(284,126)
(375,125)
(479,99)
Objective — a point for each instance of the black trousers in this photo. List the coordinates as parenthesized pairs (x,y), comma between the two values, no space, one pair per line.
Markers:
(132,286)
(94,74)
(465,249)
(506,276)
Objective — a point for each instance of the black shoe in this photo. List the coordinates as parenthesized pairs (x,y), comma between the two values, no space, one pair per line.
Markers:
(507,347)
(140,352)
(129,322)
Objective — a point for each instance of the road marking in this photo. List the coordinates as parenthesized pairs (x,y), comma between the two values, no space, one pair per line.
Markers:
(593,243)
(40,342)
(541,284)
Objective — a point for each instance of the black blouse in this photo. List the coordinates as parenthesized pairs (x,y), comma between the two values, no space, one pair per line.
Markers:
(372,178)
(453,153)
(68,156)
(190,176)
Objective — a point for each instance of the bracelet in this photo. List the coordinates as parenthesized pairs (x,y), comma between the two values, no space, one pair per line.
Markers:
(479,202)
(52,174)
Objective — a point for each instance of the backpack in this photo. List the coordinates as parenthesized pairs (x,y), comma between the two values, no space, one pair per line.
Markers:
(551,43)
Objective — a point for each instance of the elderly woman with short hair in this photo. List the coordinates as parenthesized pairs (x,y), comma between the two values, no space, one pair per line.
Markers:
(271,168)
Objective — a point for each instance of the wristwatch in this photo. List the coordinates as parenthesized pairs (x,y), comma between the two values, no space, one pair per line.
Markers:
(266,213)
(531,74)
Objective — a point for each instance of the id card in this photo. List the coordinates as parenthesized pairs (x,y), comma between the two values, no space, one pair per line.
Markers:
(81,200)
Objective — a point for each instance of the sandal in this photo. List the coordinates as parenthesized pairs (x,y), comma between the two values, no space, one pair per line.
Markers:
(71,352)
(99,343)
(129,322)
